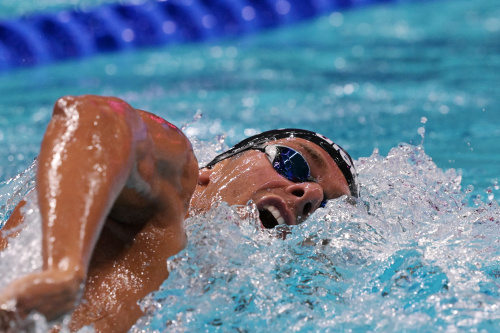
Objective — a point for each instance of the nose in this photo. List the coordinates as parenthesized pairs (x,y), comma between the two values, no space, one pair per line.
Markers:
(306,198)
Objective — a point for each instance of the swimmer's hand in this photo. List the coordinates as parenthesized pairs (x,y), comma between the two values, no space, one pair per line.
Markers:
(51,293)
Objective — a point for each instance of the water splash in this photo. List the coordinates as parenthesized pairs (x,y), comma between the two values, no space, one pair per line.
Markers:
(23,255)
(195,119)
(205,151)
(411,255)
(13,190)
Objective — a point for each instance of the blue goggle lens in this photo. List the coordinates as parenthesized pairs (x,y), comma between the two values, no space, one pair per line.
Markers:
(289,163)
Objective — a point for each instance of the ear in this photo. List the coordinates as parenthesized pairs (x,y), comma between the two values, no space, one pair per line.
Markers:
(204,176)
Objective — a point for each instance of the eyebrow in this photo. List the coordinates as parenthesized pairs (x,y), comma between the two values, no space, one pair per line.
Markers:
(320,161)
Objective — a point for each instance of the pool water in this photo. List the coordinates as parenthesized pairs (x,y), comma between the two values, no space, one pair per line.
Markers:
(410,90)
(413,257)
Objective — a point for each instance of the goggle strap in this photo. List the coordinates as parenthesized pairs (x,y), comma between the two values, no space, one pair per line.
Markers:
(337,153)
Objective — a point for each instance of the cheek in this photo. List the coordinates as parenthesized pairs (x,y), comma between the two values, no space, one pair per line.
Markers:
(238,186)
(235,188)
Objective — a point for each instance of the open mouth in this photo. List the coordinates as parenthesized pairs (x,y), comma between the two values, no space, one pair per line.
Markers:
(270,217)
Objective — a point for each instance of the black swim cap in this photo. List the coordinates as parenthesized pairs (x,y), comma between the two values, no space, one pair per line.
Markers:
(337,153)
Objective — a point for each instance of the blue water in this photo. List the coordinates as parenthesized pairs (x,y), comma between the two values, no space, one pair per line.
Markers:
(420,253)
(412,257)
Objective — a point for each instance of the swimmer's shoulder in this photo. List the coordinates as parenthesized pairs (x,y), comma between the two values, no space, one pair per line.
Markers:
(168,162)
(165,134)
(157,121)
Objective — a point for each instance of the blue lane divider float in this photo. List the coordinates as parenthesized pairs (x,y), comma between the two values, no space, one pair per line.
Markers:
(49,37)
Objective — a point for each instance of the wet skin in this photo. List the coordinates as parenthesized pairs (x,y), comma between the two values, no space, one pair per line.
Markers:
(114,185)
(250,177)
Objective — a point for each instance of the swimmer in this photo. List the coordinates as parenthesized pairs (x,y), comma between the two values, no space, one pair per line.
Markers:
(114,185)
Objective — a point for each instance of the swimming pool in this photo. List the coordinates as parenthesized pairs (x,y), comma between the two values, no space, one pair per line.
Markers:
(421,256)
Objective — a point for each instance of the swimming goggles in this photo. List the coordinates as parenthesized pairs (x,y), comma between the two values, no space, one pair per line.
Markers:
(289,163)
(337,153)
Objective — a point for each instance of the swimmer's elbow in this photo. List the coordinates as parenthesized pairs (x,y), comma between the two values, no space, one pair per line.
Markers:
(61,107)
(98,125)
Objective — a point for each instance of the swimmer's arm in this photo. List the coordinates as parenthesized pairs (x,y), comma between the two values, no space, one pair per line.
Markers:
(86,157)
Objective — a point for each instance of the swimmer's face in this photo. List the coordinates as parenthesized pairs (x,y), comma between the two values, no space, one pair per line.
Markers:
(250,176)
